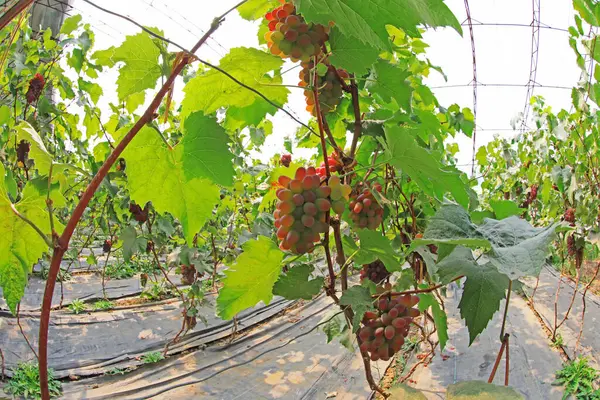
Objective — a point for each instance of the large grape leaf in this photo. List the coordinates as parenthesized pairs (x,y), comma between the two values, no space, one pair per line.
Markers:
(21,246)
(350,54)
(433,178)
(359,298)
(451,225)
(518,249)
(440,319)
(367,20)
(483,290)
(211,90)
(156,173)
(251,279)
(205,150)
(389,82)
(140,69)
(296,284)
(479,390)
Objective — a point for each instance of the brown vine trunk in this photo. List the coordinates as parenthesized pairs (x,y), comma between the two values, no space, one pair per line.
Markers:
(63,241)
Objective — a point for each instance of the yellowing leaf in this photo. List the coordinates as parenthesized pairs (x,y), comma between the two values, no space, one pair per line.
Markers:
(21,246)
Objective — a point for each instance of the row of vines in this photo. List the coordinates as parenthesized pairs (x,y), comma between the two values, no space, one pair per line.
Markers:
(379,219)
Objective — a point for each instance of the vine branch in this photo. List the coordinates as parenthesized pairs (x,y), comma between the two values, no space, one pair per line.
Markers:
(63,241)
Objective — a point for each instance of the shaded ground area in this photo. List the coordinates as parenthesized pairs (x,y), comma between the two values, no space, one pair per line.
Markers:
(532,362)
(287,358)
(543,303)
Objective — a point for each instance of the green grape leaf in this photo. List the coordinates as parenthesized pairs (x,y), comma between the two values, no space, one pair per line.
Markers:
(93,89)
(478,390)
(37,151)
(256,9)
(518,249)
(335,326)
(404,152)
(211,90)
(367,21)
(405,392)
(140,69)
(440,319)
(132,244)
(70,24)
(588,10)
(296,284)
(350,54)
(205,150)
(484,289)
(359,298)
(251,279)
(389,82)
(21,246)
(373,246)
(156,173)
(451,226)
(4,114)
(505,208)
(452,266)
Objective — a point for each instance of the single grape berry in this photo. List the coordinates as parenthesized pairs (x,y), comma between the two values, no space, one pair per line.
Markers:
(375,272)
(383,331)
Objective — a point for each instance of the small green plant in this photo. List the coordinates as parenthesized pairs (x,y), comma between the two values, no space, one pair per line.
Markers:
(157,291)
(25,382)
(578,378)
(77,306)
(558,341)
(120,271)
(152,357)
(116,371)
(104,305)
(63,274)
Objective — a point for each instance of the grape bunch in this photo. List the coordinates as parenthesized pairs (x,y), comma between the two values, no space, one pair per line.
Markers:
(334,166)
(106,246)
(328,84)
(375,271)
(285,160)
(365,210)
(140,215)
(291,36)
(570,216)
(384,330)
(36,85)
(301,213)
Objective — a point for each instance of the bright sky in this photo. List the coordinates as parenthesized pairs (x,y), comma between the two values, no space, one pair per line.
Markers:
(503,56)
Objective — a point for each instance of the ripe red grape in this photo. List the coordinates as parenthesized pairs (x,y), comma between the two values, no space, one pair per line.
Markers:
(365,210)
(383,330)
